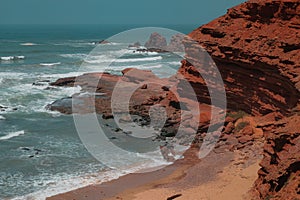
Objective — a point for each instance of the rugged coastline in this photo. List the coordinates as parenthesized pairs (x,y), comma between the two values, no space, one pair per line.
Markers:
(256,48)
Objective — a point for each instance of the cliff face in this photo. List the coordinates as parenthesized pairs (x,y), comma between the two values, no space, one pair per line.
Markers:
(256,47)
(279,176)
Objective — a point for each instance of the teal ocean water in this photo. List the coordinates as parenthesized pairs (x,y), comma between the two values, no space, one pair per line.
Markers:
(40,151)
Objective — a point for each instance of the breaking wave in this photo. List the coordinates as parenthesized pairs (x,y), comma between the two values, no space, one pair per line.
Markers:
(8,58)
(12,134)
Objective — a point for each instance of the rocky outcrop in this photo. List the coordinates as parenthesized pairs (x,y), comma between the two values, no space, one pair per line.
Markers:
(69,81)
(256,46)
(103,42)
(98,89)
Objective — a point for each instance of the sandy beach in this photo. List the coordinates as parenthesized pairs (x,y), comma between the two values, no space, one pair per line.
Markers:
(221,175)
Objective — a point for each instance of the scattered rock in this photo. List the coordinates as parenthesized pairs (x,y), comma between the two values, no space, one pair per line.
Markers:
(244,139)
(174,196)
(127,132)
(25,148)
(64,82)
(165,88)
(103,42)
(51,88)
(117,129)
(62,105)
(246,130)
(107,116)
(144,86)
(229,128)
(3,107)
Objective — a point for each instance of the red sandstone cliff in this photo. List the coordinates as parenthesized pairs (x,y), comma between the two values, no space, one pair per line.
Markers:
(256,47)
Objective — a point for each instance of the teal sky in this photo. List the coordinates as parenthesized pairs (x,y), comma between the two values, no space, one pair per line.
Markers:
(112,11)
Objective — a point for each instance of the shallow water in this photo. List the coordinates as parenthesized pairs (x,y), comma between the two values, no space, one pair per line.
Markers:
(40,150)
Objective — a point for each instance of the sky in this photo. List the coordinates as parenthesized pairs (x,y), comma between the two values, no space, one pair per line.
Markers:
(112,11)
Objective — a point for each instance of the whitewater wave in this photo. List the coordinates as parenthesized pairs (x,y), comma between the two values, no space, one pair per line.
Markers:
(56,76)
(175,63)
(145,67)
(65,183)
(112,43)
(12,134)
(108,55)
(2,118)
(113,55)
(106,59)
(28,44)
(148,53)
(20,57)
(50,64)
(152,53)
(34,98)
(8,58)
(74,55)
(4,76)
(83,43)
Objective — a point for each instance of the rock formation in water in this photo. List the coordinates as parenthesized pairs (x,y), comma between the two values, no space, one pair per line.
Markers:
(156,41)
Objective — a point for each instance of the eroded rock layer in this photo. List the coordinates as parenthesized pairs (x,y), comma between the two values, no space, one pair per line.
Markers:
(256,46)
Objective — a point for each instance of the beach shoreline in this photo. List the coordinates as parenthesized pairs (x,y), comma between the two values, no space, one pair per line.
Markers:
(225,169)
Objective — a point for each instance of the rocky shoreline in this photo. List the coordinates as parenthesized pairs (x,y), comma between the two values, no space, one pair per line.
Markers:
(256,47)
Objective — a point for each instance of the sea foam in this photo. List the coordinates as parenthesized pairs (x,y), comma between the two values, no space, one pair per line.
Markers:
(28,44)
(12,134)
(65,183)
(103,59)
(50,64)
(8,58)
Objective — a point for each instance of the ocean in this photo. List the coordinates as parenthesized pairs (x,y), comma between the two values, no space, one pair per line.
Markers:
(40,151)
